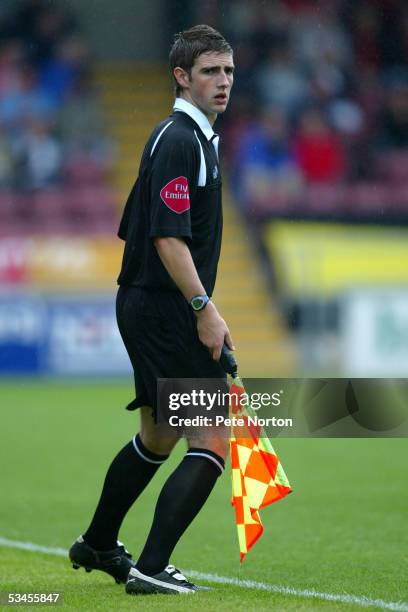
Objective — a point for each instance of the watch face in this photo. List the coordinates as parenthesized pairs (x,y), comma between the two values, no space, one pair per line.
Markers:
(198,302)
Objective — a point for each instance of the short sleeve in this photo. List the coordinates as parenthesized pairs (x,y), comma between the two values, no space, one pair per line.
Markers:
(173,183)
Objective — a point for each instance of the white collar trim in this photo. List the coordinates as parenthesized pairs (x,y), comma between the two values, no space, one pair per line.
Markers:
(198,116)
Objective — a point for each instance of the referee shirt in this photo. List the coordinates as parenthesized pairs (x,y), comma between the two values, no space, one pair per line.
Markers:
(177,194)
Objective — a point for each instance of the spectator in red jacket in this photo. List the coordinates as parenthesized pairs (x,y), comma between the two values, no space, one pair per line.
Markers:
(318,151)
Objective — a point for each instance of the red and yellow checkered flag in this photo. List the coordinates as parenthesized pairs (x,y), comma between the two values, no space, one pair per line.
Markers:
(258,478)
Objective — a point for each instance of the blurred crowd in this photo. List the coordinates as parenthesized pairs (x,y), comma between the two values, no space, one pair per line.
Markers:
(318,123)
(51,124)
(319,113)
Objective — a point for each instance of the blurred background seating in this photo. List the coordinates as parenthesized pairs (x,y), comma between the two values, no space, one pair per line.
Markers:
(337,75)
(54,150)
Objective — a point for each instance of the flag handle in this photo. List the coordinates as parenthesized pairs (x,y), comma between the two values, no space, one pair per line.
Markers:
(228,362)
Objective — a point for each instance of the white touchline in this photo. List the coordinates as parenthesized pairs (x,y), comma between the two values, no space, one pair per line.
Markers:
(357,600)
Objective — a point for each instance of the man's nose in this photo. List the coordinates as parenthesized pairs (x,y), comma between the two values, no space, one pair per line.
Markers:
(223,80)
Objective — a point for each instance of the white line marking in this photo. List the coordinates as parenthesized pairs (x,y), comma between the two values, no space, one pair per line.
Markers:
(48,550)
(357,600)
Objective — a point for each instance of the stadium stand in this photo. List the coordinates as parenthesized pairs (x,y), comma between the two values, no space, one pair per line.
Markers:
(336,74)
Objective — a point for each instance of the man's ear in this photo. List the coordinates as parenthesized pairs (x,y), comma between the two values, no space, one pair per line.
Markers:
(182,77)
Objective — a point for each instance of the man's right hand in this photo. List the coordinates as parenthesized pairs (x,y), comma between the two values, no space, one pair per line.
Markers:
(213,331)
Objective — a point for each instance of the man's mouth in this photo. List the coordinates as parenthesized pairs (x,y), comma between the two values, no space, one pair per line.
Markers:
(221,97)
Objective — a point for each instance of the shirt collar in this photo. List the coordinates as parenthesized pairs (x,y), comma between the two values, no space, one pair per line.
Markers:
(186,107)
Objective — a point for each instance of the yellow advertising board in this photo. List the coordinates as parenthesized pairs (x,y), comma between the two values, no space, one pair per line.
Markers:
(327,258)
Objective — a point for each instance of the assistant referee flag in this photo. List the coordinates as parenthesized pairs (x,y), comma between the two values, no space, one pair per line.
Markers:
(258,478)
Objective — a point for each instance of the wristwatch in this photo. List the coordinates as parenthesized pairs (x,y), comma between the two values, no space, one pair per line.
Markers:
(199,302)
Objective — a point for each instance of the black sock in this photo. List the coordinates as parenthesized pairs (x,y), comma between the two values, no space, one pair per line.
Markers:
(129,473)
(180,500)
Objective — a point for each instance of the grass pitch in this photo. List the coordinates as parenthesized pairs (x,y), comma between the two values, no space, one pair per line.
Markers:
(343,530)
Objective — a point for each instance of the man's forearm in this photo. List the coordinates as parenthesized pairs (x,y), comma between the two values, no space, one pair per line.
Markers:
(176,258)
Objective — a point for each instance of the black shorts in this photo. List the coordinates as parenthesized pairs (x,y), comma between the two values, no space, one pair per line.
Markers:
(159,331)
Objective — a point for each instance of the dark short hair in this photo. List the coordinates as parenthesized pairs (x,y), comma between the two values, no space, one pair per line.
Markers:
(189,44)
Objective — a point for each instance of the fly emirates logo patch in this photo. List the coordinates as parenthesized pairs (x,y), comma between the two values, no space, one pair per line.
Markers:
(176,196)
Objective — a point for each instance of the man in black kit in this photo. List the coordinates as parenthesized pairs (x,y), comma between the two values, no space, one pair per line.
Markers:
(172,226)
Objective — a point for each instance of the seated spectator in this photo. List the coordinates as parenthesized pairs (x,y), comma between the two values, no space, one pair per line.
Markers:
(281,83)
(265,169)
(317,34)
(328,78)
(57,76)
(38,157)
(318,151)
(25,101)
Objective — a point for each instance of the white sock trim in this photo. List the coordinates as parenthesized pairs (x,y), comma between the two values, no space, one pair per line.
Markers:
(143,456)
(210,457)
